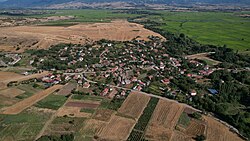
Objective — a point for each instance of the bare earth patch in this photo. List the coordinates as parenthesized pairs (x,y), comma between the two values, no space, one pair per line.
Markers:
(118,129)
(22,105)
(134,105)
(204,57)
(82,105)
(32,37)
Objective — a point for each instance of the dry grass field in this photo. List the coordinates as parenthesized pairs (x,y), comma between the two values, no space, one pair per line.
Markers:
(11,92)
(32,37)
(22,105)
(195,128)
(103,114)
(204,57)
(134,105)
(72,112)
(164,120)
(6,77)
(166,114)
(219,132)
(118,129)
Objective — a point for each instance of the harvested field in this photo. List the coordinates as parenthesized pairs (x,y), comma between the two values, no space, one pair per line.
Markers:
(11,92)
(179,136)
(92,127)
(66,90)
(196,128)
(164,120)
(117,129)
(32,37)
(103,114)
(6,77)
(166,114)
(82,105)
(218,132)
(22,105)
(72,112)
(134,105)
(158,133)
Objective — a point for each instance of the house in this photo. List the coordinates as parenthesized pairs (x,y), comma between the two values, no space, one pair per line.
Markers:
(193,93)
(86,85)
(165,81)
(104,92)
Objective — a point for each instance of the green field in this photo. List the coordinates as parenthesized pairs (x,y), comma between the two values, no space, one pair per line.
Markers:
(53,102)
(85,15)
(217,28)
(24,126)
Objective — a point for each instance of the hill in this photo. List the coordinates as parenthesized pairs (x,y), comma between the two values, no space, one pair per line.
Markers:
(42,3)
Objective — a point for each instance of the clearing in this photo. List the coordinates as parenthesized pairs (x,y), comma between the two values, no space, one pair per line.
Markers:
(204,57)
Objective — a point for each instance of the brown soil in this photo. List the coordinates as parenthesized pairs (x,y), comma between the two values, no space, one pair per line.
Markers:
(92,127)
(103,114)
(134,105)
(32,37)
(219,132)
(82,105)
(22,105)
(117,129)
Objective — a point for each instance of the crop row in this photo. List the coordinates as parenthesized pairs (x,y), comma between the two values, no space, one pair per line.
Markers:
(146,116)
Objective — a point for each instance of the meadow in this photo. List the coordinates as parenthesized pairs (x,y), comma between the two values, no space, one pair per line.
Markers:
(217,28)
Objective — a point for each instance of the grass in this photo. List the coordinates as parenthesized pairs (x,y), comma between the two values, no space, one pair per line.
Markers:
(85,15)
(53,102)
(29,90)
(216,28)
(86,110)
(87,97)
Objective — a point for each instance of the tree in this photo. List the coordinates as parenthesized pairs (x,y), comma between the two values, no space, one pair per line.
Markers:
(200,138)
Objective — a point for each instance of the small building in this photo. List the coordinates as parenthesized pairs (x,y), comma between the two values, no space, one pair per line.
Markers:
(193,93)
(213,91)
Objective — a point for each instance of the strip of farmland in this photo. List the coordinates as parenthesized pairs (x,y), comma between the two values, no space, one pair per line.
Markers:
(138,131)
(22,105)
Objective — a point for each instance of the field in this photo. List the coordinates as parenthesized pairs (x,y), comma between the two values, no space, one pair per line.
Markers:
(52,101)
(134,105)
(204,57)
(32,37)
(22,105)
(217,131)
(24,126)
(6,77)
(11,92)
(117,129)
(164,120)
(66,90)
(216,28)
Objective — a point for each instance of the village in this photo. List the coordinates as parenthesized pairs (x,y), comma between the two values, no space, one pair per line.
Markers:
(107,68)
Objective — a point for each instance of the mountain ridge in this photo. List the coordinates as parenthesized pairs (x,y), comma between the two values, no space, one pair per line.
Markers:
(43,3)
